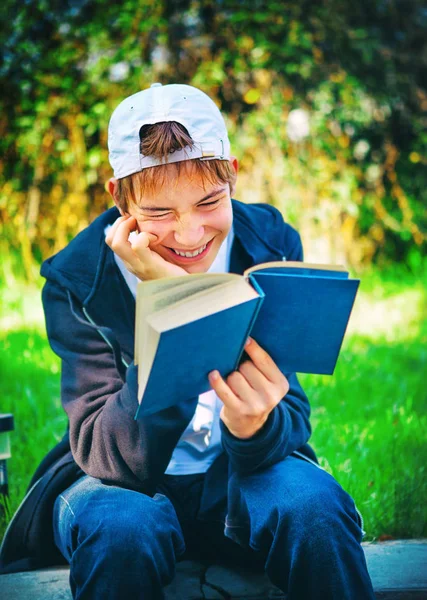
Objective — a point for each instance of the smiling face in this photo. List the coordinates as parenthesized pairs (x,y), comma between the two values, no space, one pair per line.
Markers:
(190,216)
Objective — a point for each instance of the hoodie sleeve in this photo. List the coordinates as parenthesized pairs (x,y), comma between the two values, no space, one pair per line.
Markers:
(101,402)
(288,426)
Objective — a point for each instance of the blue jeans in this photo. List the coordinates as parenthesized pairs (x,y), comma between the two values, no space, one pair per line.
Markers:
(292,520)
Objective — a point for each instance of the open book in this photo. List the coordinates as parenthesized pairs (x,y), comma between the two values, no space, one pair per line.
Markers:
(190,325)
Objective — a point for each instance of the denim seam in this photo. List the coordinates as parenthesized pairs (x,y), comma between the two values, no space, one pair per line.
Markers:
(251,543)
(68,505)
(228,523)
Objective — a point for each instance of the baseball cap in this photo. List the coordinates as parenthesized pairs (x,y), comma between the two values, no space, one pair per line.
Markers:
(184,104)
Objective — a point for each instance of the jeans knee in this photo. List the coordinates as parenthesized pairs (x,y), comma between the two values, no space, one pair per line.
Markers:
(145,528)
(116,522)
(320,514)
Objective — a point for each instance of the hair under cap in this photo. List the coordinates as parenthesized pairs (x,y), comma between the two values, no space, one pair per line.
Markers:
(183,104)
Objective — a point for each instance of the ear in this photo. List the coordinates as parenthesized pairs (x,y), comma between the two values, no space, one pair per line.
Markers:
(235,165)
(112,188)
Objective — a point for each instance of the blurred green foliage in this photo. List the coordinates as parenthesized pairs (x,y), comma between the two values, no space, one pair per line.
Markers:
(326,105)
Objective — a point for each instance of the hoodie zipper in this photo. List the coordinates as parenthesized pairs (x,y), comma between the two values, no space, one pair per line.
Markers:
(106,340)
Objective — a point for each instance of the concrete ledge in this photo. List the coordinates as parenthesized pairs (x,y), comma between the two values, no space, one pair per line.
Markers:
(398,570)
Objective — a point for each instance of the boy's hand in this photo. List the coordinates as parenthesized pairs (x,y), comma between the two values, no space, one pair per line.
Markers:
(136,253)
(251,393)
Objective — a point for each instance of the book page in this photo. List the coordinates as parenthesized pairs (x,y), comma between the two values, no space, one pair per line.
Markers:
(151,342)
(293,265)
(203,304)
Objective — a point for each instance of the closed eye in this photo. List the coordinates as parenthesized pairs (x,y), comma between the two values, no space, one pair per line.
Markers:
(156,216)
(153,216)
(210,203)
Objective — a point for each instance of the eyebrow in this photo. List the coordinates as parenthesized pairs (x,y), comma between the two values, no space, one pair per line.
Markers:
(158,208)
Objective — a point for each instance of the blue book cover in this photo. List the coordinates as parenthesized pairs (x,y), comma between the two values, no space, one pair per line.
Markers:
(185,355)
(302,321)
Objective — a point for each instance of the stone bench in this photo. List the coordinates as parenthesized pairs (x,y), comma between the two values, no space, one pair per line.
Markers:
(398,570)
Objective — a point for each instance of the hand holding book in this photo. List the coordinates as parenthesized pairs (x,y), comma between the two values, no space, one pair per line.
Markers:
(250,393)
(187,327)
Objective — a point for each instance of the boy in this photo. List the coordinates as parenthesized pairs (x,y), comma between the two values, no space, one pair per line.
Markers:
(228,475)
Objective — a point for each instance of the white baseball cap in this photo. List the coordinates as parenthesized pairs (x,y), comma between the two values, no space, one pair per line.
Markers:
(159,103)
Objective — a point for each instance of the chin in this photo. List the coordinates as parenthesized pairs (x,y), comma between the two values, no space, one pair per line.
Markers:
(203,267)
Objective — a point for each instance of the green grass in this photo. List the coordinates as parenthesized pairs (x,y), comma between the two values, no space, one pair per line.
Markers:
(29,372)
(369,422)
(369,419)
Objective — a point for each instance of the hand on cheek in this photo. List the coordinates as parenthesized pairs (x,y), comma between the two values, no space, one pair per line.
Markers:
(250,393)
(133,247)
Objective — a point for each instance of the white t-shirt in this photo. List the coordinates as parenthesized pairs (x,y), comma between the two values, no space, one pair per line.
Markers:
(200,443)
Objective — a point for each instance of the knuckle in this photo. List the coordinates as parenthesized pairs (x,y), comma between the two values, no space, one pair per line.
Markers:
(264,360)
(225,394)
(274,402)
(255,410)
(245,367)
(234,378)
(274,395)
(247,411)
(271,399)
(285,385)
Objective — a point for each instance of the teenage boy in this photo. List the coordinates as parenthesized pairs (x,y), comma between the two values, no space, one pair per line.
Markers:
(228,475)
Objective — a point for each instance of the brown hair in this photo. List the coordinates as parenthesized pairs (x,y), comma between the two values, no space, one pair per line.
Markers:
(160,140)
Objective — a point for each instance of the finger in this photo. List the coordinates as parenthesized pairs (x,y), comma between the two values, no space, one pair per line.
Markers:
(111,232)
(142,241)
(241,388)
(124,229)
(120,242)
(223,391)
(257,380)
(111,237)
(263,361)
(146,257)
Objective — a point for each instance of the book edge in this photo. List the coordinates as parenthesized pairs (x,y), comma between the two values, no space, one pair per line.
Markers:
(154,317)
(294,264)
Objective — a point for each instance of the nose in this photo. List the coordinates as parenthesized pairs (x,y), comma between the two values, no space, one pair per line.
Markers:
(188,233)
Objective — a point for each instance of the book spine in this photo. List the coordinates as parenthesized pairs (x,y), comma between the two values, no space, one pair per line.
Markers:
(259,302)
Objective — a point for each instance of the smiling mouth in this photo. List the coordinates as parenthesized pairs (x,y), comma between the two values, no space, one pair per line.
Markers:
(187,256)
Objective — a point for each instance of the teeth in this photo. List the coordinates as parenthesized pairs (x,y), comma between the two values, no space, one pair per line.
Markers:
(190,254)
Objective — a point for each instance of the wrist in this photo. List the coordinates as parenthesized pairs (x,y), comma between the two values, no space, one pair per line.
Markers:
(246,433)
